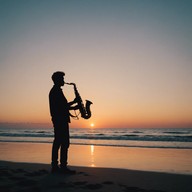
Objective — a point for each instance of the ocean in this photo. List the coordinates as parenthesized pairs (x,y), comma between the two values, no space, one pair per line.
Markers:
(180,138)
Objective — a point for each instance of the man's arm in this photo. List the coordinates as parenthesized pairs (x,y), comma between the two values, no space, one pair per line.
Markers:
(72,103)
(74,107)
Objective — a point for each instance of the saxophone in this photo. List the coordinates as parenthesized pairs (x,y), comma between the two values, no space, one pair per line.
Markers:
(84,110)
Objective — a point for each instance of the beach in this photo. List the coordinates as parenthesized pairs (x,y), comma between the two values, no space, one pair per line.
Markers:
(26,167)
(133,158)
(110,78)
(37,177)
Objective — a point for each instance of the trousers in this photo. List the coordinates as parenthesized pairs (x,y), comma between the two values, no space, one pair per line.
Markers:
(61,142)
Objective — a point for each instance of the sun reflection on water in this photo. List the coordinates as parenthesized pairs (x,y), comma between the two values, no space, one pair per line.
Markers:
(92,156)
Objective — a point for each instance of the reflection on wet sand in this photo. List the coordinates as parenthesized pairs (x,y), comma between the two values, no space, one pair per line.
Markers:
(147,159)
(92,156)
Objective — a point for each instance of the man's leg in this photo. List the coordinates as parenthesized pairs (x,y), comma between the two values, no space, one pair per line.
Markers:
(63,160)
(64,145)
(63,155)
(64,151)
(55,149)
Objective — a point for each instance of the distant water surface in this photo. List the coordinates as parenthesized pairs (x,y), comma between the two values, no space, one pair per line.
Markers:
(126,137)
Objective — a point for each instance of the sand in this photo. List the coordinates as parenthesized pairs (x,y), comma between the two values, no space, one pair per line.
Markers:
(20,177)
(132,158)
(25,167)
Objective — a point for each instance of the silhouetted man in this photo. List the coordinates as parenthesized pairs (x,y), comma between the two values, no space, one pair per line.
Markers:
(59,110)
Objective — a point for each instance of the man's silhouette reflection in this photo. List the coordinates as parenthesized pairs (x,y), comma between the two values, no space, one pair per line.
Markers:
(59,110)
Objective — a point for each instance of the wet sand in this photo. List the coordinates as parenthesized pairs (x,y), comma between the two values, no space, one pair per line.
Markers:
(145,159)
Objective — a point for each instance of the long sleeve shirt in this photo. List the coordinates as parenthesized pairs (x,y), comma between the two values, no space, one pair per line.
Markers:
(59,107)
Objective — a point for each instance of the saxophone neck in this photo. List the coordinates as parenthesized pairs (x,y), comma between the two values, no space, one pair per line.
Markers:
(71,84)
(75,88)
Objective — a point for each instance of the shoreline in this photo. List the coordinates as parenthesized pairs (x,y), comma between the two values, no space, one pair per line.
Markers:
(37,177)
(101,145)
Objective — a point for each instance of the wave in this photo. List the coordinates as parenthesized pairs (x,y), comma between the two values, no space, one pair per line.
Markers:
(24,135)
(137,132)
(101,136)
(139,138)
(139,145)
(148,138)
(177,132)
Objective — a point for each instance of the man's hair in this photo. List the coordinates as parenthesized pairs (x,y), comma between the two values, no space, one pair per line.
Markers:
(57,76)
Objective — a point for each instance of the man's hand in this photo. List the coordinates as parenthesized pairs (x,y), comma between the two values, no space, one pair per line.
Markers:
(75,100)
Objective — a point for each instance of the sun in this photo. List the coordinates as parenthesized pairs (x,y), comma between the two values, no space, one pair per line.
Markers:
(92,124)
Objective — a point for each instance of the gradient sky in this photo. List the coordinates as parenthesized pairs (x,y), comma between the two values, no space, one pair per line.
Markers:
(131,58)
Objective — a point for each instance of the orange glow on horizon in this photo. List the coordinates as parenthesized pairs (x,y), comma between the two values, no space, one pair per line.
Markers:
(120,118)
(105,122)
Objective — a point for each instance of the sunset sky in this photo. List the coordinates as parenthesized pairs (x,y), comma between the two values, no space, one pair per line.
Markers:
(131,58)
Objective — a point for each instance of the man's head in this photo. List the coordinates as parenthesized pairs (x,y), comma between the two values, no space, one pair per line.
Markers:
(58,78)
